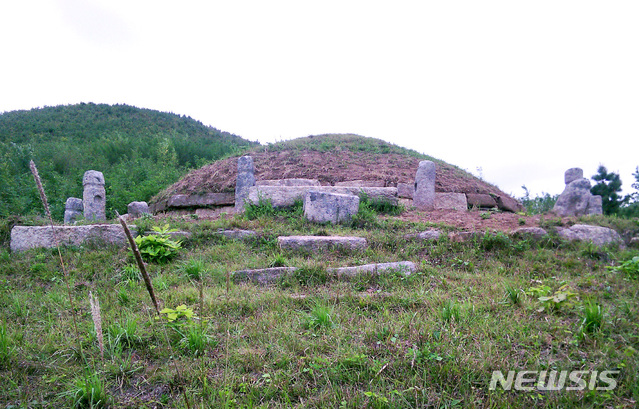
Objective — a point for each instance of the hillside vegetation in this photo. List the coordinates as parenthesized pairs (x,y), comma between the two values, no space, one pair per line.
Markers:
(311,340)
(140,151)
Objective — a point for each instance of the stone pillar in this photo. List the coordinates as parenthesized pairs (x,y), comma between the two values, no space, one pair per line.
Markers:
(573,174)
(424,197)
(595,205)
(137,209)
(73,209)
(245,180)
(94,196)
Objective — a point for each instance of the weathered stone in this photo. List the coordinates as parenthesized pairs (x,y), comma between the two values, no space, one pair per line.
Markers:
(574,199)
(362,183)
(428,235)
(262,276)
(573,174)
(137,209)
(481,200)
(509,204)
(424,197)
(201,200)
(73,209)
(28,237)
(595,205)
(451,201)
(285,196)
(323,207)
(318,243)
(403,267)
(245,180)
(215,212)
(536,233)
(600,236)
(463,236)
(237,234)
(94,196)
(406,190)
(288,182)
(160,206)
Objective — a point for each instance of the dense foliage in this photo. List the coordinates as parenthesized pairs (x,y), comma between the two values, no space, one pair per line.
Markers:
(140,151)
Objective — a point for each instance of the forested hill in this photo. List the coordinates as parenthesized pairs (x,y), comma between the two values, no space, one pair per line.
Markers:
(140,152)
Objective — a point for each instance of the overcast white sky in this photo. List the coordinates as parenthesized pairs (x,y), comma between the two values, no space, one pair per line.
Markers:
(521,89)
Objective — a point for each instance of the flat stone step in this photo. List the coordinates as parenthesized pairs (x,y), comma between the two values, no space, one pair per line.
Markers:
(285,196)
(404,267)
(318,243)
(266,276)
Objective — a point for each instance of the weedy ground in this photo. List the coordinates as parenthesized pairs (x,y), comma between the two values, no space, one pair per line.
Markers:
(429,340)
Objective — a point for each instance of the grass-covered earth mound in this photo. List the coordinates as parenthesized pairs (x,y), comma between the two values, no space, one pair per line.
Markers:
(329,158)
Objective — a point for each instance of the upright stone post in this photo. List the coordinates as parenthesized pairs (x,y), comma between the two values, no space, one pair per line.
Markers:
(72,209)
(94,196)
(245,180)
(424,197)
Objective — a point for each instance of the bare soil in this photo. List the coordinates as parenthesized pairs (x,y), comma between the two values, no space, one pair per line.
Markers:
(472,220)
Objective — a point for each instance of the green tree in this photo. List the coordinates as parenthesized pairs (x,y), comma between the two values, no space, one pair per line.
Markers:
(608,187)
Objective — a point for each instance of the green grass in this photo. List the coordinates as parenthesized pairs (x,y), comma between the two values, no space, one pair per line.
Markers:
(428,340)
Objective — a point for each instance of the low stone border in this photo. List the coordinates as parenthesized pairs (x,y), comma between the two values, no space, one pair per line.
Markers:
(317,243)
(237,234)
(266,276)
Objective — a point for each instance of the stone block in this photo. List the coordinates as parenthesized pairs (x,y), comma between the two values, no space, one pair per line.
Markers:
(574,200)
(599,236)
(361,183)
(323,207)
(215,212)
(405,268)
(428,235)
(406,190)
(245,180)
(573,174)
(319,243)
(536,233)
(285,196)
(237,234)
(28,237)
(451,201)
(481,200)
(262,276)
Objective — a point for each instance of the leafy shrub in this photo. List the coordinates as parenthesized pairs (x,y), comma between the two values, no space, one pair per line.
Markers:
(158,247)
(496,241)
(629,267)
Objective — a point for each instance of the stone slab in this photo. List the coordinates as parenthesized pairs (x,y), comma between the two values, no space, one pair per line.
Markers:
(288,182)
(29,237)
(599,236)
(323,207)
(318,243)
(201,200)
(285,196)
(236,234)
(536,233)
(404,267)
(428,235)
(262,276)
(406,190)
(451,201)
(214,213)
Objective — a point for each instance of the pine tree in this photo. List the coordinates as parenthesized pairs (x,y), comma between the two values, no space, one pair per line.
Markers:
(608,186)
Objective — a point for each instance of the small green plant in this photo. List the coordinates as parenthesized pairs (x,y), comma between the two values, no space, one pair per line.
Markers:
(278,260)
(515,295)
(5,346)
(130,272)
(629,267)
(495,241)
(485,215)
(195,340)
(380,205)
(593,317)
(450,311)
(144,223)
(563,297)
(88,392)
(180,314)
(521,221)
(194,269)
(158,247)
(262,208)
(365,217)
(319,317)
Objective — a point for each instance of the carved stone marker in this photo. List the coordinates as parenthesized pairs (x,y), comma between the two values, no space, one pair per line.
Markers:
(424,198)
(245,180)
(576,199)
(73,208)
(94,196)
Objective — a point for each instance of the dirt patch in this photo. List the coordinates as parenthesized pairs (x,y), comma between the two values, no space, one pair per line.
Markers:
(472,220)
